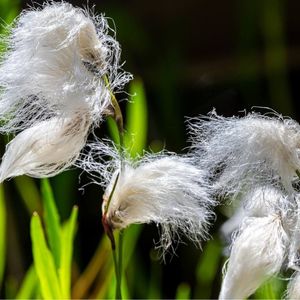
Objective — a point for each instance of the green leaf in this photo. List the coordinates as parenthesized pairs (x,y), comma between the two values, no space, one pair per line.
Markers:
(29,285)
(43,261)
(52,221)
(113,130)
(207,268)
(183,291)
(65,270)
(2,233)
(29,193)
(271,289)
(136,127)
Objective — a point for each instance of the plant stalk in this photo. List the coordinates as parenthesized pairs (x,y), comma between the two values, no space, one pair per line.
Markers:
(118,259)
(118,277)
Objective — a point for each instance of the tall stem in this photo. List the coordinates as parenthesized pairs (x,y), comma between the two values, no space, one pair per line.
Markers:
(118,277)
(107,227)
(120,255)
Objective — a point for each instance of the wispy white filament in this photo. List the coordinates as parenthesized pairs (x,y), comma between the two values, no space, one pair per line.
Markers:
(257,254)
(165,189)
(294,228)
(56,61)
(240,152)
(56,80)
(262,201)
(293,290)
(45,148)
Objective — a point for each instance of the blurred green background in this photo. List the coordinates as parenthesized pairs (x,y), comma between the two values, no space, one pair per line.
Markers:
(191,56)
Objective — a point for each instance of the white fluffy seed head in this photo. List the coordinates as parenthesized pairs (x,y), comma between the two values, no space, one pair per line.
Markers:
(293,289)
(168,191)
(262,201)
(240,152)
(294,229)
(46,148)
(257,254)
(56,60)
(165,189)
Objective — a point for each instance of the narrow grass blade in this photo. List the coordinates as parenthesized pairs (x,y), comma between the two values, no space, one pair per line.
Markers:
(65,270)
(113,130)
(130,237)
(29,193)
(208,267)
(136,126)
(8,11)
(52,221)
(2,234)
(29,285)
(43,261)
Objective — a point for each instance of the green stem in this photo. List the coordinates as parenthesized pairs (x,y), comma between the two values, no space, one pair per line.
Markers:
(118,279)
(117,113)
(111,194)
(120,255)
(117,259)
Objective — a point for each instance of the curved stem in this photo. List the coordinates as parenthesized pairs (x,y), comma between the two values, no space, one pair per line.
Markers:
(118,277)
(107,226)
(120,255)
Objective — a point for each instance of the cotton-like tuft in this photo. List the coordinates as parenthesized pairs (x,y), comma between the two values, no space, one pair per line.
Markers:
(293,289)
(262,201)
(164,189)
(45,148)
(56,62)
(294,228)
(257,254)
(241,152)
(56,82)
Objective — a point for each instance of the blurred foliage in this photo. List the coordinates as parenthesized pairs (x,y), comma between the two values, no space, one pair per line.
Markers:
(154,118)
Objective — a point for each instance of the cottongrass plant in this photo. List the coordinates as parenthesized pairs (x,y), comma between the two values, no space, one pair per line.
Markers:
(57,77)
(251,150)
(165,188)
(58,82)
(254,159)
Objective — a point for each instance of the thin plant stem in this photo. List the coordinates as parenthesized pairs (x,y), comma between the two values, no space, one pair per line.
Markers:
(118,278)
(109,231)
(120,256)
(117,113)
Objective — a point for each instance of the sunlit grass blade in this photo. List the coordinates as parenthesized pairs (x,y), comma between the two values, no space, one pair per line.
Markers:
(65,270)
(183,291)
(29,193)
(2,233)
(43,261)
(136,126)
(52,221)
(29,285)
